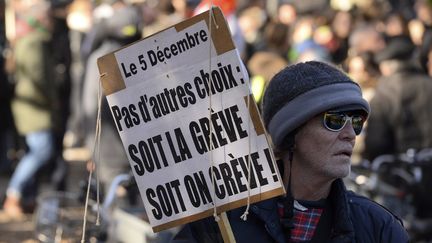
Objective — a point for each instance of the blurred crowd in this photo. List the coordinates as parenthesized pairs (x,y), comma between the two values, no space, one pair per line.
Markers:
(50,81)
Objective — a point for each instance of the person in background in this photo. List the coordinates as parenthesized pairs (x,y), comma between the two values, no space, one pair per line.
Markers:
(303,45)
(364,41)
(121,28)
(33,102)
(400,121)
(62,60)
(341,25)
(365,38)
(229,8)
(423,9)
(312,112)
(266,61)
(401,103)
(166,13)
(286,13)
(252,22)
(395,24)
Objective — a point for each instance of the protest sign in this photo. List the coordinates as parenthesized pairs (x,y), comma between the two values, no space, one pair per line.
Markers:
(192,132)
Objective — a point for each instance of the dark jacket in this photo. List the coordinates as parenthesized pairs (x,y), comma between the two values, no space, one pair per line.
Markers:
(401,112)
(357,219)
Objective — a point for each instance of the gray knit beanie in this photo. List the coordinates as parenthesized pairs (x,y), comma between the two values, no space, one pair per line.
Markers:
(301,91)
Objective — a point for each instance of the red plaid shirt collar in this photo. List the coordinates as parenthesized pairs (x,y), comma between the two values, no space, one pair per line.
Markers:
(305,222)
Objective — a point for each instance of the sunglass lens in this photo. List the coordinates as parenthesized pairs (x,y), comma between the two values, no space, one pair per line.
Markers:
(334,121)
(357,123)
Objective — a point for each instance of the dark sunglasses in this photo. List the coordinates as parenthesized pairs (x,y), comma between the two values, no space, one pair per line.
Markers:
(336,121)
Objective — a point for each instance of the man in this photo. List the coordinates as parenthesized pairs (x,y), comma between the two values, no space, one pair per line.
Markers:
(312,112)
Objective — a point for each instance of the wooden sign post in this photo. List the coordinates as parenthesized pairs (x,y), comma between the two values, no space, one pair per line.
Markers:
(225,229)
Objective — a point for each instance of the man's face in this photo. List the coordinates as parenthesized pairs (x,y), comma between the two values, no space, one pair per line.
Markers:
(325,154)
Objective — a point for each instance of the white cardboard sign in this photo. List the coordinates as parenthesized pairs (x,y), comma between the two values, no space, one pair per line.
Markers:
(179,99)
